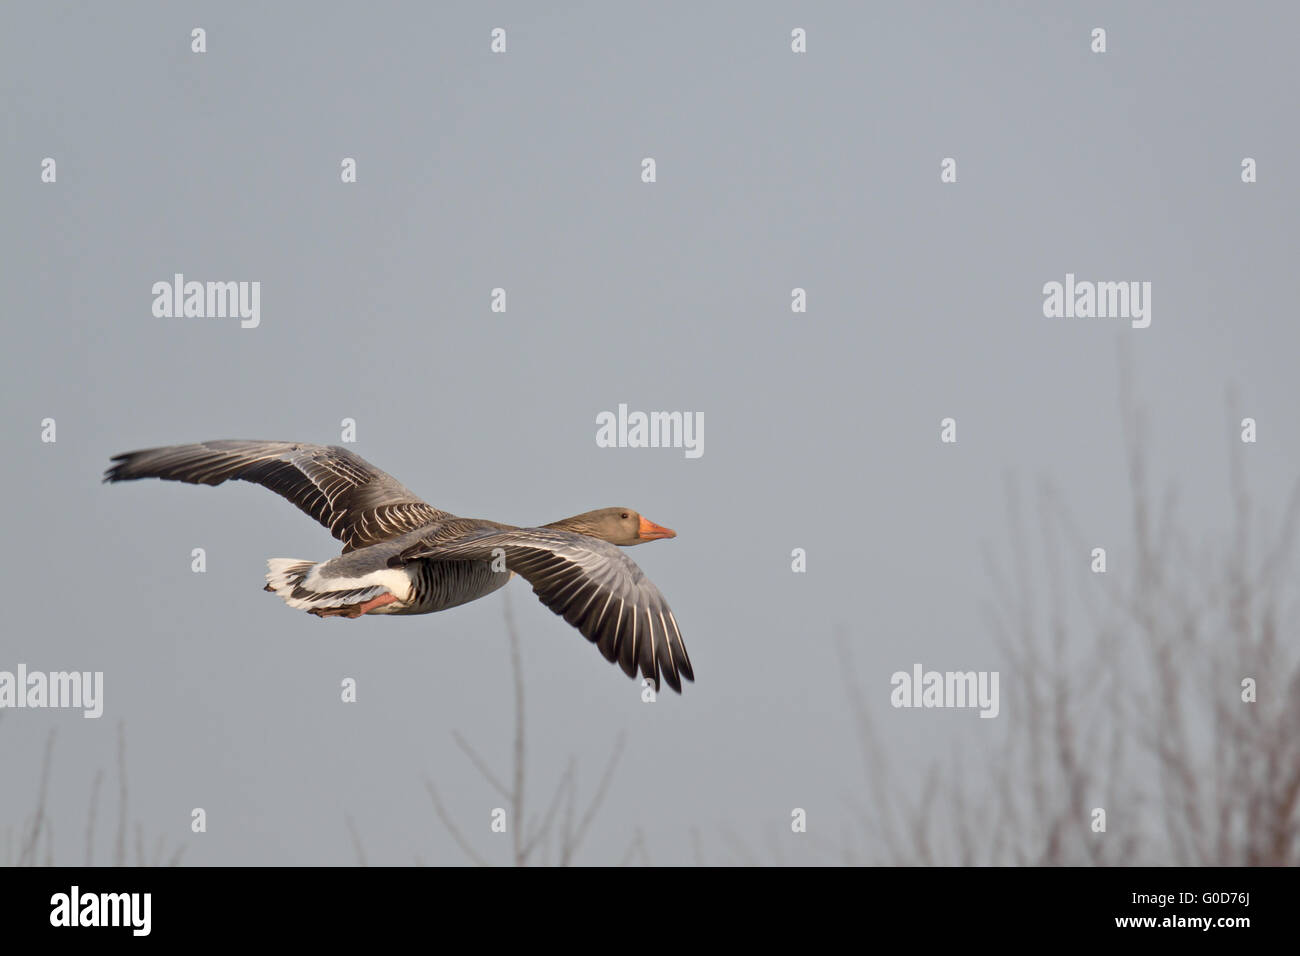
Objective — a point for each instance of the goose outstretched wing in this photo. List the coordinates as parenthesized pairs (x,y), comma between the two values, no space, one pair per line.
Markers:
(358,503)
(593,584)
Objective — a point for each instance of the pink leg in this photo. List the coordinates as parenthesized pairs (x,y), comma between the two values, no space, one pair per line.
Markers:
(334,612)
(382,601)
(355,610)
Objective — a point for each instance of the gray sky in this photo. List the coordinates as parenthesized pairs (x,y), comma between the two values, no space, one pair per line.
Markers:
(522,170)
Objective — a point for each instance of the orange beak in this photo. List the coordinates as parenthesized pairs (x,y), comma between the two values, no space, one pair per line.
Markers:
(649,531)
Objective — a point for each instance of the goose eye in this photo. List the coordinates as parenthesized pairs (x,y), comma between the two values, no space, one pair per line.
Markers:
(623,515)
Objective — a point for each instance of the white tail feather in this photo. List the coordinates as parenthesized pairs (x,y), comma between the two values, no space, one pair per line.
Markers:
(290,578)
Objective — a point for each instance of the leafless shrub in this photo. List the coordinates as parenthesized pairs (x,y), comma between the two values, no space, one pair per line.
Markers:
(24,851)
(538,834)
(551,837)
(1133,704)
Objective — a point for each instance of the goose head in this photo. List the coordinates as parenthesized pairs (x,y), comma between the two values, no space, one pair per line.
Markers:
(621,526)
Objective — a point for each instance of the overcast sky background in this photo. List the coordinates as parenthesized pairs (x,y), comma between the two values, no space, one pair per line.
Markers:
(522,171)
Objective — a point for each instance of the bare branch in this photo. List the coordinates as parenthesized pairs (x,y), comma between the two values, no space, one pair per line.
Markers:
(27,856)
(480,765)
(90,817)
(602,789)
(357,848)
(450,824)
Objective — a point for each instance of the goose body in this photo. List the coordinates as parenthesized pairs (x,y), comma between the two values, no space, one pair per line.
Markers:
(403,556)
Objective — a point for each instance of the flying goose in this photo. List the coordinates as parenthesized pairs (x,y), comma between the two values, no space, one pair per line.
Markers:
(403,556)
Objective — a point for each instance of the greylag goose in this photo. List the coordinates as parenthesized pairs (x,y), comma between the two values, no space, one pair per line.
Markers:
(403,556)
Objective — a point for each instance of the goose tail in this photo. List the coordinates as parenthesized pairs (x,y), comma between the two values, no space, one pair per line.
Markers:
(294,581)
